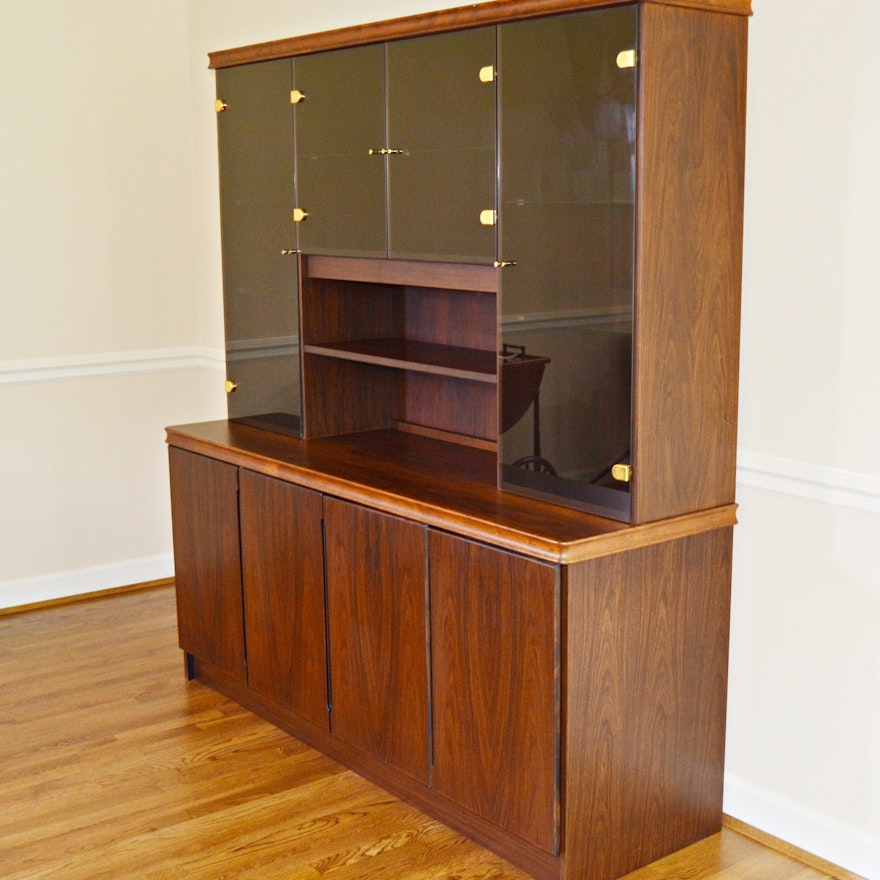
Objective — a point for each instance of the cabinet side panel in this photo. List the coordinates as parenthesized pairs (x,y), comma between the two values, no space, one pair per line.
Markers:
(376,598)
(647,635)
(692,67)
(207,560)
(283,575)
(493,629)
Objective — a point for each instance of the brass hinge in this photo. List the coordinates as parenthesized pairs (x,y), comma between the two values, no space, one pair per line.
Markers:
(627,59)
(623,473)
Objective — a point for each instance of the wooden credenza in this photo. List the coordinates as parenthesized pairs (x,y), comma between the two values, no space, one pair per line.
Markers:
(468,526)
(549,682)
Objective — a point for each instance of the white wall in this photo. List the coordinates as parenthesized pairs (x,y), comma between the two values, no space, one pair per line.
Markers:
(100,338)
(112,329)
(803,758)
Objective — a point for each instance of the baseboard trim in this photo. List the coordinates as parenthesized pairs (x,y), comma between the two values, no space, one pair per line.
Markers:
(833,487)
(74,585)
(121,363)
(87,597)
(811,837)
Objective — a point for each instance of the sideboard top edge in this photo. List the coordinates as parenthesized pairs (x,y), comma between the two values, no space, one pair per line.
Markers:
(458,18)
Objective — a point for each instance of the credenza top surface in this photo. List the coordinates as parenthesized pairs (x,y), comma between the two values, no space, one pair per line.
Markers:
(435,483)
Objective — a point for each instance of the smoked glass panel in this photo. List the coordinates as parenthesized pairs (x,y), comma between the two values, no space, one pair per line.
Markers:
(339,183)
(567,183)
(441,115)
(255,142)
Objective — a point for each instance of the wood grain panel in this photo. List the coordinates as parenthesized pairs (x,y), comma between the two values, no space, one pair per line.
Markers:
(647,636)
(495,685)
(283,575)
(207,560)
(346,397)
(689,260)
(440,484)
(455,276)
(474,15)
(333,311)
(377,610)
(451,317)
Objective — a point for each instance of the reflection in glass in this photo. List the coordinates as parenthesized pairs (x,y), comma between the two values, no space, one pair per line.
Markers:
(567,177)
(255,140)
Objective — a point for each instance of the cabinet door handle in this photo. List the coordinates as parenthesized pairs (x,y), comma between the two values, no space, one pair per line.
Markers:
(386,152)
(230,386)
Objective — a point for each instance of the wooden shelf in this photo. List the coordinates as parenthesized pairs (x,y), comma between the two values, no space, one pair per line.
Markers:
(421,357)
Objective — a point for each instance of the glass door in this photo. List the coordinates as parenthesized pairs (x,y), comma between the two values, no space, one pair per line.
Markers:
(260,276)
(441,129)
(567,136)
(340,163)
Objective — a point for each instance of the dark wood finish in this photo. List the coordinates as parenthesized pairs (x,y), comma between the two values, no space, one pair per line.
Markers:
(409,354)
(454,276)
(646,686)
(207,560)
(457,406)
(363,396)
(283,575)
(451,317)
(409,476)
(495,646)
(688,263)
(489,13)
(376,606)
(379,330)
(334,311)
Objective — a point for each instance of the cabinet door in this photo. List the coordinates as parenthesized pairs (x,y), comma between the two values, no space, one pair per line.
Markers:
(207,560)
(377,609)
(283,575)
(260,287)
(495,656)
(441,117)
(340,185)
(567,179)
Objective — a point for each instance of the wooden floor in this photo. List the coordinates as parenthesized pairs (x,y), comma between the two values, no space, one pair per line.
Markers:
(112,766)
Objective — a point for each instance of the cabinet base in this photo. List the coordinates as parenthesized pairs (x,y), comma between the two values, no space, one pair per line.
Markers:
(539,864)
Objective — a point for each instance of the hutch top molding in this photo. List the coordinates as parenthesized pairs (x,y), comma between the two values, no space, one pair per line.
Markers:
(443,21)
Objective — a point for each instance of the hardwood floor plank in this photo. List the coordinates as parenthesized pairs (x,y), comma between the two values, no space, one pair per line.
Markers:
(116,768)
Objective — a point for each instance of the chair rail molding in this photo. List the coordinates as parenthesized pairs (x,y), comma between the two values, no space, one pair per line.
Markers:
(834,487)
(26,371)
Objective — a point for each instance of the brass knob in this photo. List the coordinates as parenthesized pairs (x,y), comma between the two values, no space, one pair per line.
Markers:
(230,386)
(297,97)
(488,218)
(299,215)
(487,74)
(219,105)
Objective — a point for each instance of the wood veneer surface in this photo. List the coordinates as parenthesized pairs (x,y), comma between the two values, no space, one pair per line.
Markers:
(436,483)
